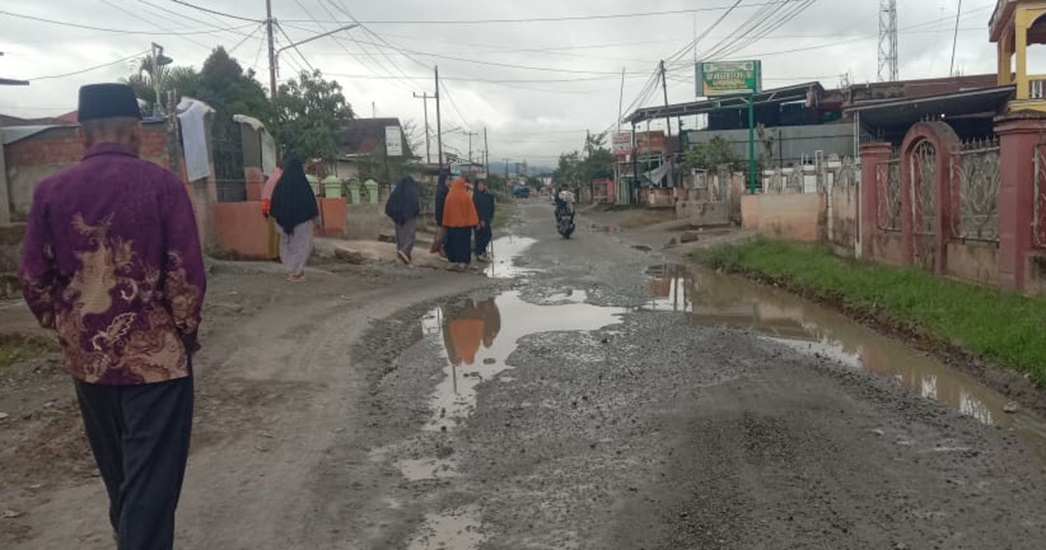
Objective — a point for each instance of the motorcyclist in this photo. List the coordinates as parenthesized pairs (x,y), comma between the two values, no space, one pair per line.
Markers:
(564,202)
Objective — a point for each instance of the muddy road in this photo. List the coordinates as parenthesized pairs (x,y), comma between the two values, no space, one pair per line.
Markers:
(584,394)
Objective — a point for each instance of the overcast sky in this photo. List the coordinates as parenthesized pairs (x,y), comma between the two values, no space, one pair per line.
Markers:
(536,85)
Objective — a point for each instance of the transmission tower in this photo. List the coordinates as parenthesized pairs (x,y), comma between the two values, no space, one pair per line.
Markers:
(888,41)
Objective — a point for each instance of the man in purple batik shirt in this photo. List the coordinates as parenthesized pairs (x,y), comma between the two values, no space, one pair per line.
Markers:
(112,262)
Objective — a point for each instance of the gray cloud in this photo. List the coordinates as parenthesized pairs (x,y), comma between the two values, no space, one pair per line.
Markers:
(542,114)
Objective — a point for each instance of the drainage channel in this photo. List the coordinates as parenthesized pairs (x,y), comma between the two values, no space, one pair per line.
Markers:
(712,299)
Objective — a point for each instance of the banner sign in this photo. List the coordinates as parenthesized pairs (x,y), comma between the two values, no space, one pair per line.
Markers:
(622,144)
(724,78)
(393,141)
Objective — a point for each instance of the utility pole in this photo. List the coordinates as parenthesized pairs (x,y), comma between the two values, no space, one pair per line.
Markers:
(425,97)
(439,122)
(470,134)
(668,129)
(486,153)
(272,49)
(506,169)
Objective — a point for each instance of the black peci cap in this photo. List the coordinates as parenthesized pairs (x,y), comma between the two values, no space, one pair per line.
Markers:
(98,101)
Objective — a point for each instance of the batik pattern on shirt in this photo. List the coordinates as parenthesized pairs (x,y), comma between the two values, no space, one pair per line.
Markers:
(112,261)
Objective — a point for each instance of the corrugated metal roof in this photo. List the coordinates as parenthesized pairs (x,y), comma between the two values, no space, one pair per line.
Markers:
(13,134)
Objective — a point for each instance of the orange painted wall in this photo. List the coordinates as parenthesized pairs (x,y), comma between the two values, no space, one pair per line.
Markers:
(334,214)
(242,231)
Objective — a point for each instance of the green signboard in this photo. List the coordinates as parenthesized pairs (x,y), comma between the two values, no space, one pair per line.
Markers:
(723,78)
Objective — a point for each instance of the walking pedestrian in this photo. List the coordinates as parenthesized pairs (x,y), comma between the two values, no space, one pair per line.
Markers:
(442,189)
(404,207)
(295,211)
(460,219)
(485,206)
(112,262)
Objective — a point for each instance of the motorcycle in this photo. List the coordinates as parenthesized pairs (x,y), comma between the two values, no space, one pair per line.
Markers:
(565,222)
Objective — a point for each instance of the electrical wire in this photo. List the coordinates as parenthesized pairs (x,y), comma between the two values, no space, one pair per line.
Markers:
(89,69)
(153,23)
(454,104)
(215,12)
(344,9)
(246,38)
(114,31)
(293,46)
(561,19)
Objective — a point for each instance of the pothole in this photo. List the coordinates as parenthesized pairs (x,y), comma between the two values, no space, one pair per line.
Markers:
(479,336)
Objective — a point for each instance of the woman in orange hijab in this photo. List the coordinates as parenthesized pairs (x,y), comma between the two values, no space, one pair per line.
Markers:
(460,218)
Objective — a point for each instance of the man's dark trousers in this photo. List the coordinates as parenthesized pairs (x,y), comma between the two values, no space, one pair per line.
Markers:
(484,234)
(140,439)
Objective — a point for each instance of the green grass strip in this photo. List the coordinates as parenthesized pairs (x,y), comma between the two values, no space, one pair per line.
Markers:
(1002,327)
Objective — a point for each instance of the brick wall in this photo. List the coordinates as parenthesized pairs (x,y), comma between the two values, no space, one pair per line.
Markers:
(30,160)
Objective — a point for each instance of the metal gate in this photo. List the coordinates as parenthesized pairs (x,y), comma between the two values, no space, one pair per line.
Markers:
(923,186)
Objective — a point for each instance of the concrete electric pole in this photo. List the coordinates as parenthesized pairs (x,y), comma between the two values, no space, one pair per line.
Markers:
(425,97)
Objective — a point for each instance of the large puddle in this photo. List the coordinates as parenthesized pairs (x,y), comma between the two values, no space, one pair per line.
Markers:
(506,252)
(477,343)
(479,335)
(712,299)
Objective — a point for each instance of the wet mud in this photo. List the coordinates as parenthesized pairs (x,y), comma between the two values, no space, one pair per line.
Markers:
(592,400)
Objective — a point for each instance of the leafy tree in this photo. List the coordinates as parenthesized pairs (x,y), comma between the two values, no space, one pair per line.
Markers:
(569,170)
(497,182)
(711,155)
(310,114)
(534,183)
(599,161)
(229,90)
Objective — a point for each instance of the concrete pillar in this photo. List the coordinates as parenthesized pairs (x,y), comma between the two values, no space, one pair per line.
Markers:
(1021,28)
(1005,63)
(873,159)
(1019,134)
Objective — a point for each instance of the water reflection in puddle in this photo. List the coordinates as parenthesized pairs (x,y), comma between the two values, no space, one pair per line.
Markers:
(479,336)
(719,300)
(424,469)
(449,531)
(505,251)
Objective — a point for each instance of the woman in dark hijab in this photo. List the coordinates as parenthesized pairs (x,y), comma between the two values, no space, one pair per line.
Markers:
(294,209)
(404,207)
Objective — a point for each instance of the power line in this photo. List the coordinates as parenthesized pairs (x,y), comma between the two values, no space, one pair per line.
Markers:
(454,104)
(562,18)
(89,69)
(186,17)
(215,12)
(294,46)
(109,30)
(153,23)
(246,38)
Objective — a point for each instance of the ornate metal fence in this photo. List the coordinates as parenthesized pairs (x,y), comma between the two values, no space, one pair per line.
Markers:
(888,184)
(975,180)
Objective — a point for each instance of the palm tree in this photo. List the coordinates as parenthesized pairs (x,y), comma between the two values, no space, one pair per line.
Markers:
(152,77)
